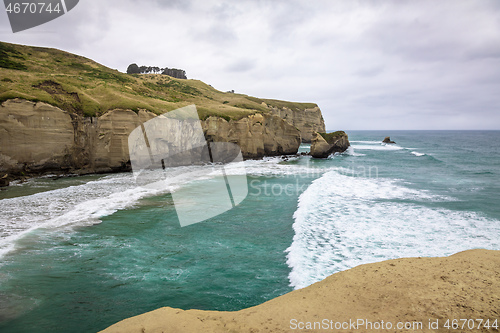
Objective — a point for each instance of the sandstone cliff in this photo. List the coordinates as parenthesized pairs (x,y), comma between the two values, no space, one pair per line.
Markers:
(324,144)
(82,112)
(79,121)
(307,121)
(37,138)
(257,135)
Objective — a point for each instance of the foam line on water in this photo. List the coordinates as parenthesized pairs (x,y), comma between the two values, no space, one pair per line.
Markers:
(84,204)
(351,151)
(379,146)
(272,166)
(366,142)
(71,206)
(343,221)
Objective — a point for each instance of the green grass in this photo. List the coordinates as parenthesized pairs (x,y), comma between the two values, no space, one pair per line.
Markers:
(8,54)
(80,85)
(331,137)
(295,106)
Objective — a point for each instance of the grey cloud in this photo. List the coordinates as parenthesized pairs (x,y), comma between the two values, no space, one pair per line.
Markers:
(173,4)
(485,50)
(214,25)
(369,71)
(241,66)
(218,34)
(286,18)
(369,64)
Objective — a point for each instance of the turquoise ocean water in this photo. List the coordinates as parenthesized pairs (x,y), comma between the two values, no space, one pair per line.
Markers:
(79,254)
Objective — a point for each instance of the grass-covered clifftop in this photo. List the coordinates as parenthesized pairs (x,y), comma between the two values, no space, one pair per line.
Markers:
(80,85)
(331,137)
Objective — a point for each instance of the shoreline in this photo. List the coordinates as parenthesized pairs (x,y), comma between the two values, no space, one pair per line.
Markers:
(57,174)
(421,290)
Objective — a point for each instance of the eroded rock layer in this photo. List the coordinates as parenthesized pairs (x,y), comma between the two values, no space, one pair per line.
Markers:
(324,144)
(37,138)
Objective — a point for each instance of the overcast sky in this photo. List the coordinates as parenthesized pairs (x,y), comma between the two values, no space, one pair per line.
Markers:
(368,64)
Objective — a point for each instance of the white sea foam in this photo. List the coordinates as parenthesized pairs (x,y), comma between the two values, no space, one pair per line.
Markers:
(367,142)
(350,151)
(379,146)
(71,206)
(86,204)
(343,221)
(272,167)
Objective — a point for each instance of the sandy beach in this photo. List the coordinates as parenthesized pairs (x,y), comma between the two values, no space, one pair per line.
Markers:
(401,295)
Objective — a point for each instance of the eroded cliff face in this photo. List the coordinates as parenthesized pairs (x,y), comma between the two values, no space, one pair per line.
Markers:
(38,135)
(111,146)
(36,138)
(257,135)
(307,121)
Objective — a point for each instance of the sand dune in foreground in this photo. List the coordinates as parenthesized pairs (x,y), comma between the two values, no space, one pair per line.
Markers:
(418,293)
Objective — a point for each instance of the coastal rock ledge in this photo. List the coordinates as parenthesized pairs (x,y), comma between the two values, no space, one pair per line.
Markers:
(38,138)
(419,291)
(324,144)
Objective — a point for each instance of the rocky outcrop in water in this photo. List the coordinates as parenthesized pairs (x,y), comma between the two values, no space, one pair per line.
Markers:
(387,139)
(4,182)
(37,138)
(324,144)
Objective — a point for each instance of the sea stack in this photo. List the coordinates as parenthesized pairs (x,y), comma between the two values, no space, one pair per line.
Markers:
(324,144)
(388,140)
(4,182)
